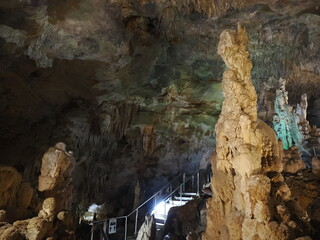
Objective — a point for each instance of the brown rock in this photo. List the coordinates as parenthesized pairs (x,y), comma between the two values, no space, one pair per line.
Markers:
(9,232)
(315,165)
(247,170)
(10,181)
(2,215)
(66,218)
(36,228)
(55,168)
(25,195)
(292,161)
(48,209)
(21,226)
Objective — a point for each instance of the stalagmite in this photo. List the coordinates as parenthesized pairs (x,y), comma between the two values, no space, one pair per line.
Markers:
(290,123)
(250,199)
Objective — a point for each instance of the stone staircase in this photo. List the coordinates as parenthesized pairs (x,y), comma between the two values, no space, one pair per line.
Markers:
(178,192)
(161,211)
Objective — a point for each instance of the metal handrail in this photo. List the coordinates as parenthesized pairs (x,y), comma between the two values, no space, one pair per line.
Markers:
(145,202)
(178,188)
(141,205)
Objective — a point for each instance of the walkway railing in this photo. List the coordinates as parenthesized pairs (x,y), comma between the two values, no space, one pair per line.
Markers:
(100,227)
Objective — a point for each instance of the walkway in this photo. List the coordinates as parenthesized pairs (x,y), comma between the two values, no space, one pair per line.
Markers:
(178,192)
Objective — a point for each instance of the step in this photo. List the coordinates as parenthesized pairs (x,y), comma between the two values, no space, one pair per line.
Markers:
(177,203)
(183,198)
(189,194)
(159,220)
(160,216)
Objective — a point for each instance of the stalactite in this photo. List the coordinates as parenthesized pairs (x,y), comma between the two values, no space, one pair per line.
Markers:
(148,139)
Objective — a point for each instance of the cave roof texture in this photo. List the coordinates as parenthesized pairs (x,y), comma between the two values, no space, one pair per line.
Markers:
(133,87)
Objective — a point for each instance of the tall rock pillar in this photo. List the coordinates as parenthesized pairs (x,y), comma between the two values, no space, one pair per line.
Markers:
(251,199)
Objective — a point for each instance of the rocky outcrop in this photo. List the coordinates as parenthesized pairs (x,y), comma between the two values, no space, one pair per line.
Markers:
(56,183)
(286,120)
(15,194)
(55,178)
(56,167)
(187,221)
(292,160)
(316,165)
(305,188)
(250,198)
(35,228)
(54,217)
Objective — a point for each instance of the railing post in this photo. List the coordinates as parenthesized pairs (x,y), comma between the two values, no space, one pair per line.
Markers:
(136,223)
(180,195)
(165,210)
(198,182)
(184,180)
(192,182)
(100,232)
(170,191)
(155,201)
(92,231)
(104,229)
(125,228)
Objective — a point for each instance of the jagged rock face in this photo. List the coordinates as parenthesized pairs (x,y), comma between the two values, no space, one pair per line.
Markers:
(251,199)
(133,87)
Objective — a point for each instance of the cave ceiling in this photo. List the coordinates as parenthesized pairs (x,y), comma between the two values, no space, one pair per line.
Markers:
(134,87)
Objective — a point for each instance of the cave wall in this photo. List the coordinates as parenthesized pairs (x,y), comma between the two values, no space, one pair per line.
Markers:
(134,87)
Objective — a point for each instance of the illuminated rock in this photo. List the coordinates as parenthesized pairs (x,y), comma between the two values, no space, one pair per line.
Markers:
(36,229)
(290,123)
(247,169)
(56,167)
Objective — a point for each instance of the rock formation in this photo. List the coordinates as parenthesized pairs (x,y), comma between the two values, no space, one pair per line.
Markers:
(187,221)
(15,194)
(55,178)
(148,229)
(250,198)
(54,218)
(292,160)
(305,188)
(290,123)
(133,87)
